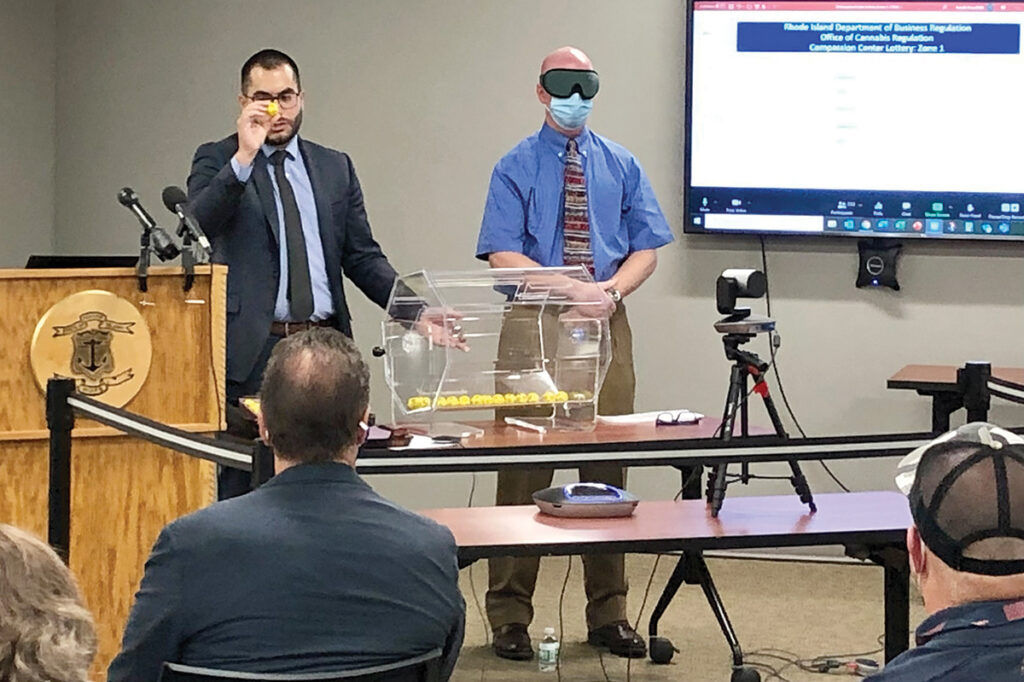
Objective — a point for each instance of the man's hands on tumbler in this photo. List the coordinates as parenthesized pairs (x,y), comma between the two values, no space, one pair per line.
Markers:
(443,327)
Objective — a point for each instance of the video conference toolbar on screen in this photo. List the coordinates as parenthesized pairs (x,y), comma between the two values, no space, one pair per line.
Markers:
(877,118)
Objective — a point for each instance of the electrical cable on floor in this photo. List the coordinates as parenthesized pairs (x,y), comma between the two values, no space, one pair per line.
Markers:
(600,658)
(772,343)
(561,631)
(472,583)
(640,613)
(818,664)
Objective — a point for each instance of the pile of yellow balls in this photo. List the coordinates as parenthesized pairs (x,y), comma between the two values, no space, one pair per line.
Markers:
(420,402)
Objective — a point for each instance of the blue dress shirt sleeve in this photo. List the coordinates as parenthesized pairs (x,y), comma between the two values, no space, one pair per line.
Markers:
(504,223)
(241,172)
(646,224)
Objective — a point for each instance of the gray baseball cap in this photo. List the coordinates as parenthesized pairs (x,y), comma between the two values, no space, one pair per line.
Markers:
(966,493)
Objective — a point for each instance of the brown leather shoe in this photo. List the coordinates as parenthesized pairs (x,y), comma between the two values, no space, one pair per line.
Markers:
(512,641)
(620,638)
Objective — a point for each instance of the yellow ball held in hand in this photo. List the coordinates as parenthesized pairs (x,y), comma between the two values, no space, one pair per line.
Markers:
(272,108)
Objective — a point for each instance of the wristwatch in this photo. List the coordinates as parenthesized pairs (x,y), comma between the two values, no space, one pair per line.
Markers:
(614,295)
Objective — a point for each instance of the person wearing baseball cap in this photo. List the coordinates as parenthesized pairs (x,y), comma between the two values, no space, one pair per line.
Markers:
(966,547)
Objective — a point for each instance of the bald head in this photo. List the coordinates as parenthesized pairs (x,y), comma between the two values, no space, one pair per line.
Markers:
(571,58)
(566,58)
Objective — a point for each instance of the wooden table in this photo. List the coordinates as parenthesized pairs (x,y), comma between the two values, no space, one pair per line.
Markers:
(870,525)
(952,388)
(502,446)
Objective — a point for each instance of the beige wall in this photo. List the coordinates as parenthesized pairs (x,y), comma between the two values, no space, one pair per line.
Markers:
(28,33)
(426,96)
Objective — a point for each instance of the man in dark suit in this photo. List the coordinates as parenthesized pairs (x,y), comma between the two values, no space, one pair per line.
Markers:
(287,216)
(313,571)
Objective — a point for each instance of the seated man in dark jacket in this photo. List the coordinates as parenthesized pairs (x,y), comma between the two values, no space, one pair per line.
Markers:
(314,571)
(966,549)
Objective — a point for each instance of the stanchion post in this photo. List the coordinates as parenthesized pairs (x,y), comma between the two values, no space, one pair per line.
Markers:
(60,419)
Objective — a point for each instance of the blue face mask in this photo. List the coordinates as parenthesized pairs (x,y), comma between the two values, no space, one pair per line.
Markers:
(570,112)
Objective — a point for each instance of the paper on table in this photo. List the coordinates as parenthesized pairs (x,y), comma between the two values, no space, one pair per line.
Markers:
(674,416)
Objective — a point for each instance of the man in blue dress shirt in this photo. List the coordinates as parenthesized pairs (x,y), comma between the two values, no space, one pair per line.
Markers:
(568,196)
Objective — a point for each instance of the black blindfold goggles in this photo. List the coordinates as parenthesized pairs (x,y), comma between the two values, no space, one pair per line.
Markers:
(564,82)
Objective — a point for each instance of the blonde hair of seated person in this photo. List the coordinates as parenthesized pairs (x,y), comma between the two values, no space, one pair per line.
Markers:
(46,634)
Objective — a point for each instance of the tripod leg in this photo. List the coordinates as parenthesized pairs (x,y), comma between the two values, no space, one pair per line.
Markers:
(733,402)
(800,485)
(699,569)
(675,581)
(718,491)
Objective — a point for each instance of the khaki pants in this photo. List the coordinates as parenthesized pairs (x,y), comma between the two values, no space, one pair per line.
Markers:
(512,579)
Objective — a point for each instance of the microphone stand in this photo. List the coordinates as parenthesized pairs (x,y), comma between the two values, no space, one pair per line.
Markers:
(188,259)
(142,268)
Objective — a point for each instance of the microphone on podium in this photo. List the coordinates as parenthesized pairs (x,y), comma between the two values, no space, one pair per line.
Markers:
(177,203)
(163,245)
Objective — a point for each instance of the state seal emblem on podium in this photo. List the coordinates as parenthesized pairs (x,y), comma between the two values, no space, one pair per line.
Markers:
(98,339)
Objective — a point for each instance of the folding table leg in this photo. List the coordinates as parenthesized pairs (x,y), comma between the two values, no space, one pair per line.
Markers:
(693,570)
(699,569)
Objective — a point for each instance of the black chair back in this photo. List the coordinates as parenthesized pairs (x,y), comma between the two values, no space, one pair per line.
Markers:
(424,668)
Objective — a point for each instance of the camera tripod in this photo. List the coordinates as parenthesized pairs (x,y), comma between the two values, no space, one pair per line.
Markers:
(691,568)
(747,364)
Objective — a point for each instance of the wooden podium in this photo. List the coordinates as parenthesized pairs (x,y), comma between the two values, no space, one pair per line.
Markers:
(123,490)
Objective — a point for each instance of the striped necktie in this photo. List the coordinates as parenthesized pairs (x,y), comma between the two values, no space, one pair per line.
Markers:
(576,249)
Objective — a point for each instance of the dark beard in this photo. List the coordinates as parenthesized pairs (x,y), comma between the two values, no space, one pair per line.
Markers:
(282,140)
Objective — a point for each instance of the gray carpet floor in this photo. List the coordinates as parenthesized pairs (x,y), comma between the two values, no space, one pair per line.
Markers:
(779,608)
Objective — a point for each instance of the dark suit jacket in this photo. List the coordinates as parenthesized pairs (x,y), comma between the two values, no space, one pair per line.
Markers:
(241,222)
(312,572)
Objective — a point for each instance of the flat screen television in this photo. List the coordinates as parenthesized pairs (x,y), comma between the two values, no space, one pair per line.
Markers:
(866,118)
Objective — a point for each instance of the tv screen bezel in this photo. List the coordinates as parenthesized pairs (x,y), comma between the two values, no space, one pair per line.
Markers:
(690,229)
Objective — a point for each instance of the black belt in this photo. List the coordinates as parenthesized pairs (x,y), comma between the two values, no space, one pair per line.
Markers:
(288,328)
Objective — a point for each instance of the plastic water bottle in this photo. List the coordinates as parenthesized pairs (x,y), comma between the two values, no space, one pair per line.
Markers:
(547,652)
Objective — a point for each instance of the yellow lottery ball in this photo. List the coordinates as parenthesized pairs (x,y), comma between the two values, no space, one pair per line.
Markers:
(549,396)
(532,398)
(272,109)
(510,398)
(521,398)
(497,399)
(561,396)
(477,399)
(464,400)
(486,400)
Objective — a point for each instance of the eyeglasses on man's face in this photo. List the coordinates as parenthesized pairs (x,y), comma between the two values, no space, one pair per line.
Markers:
(286,99)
